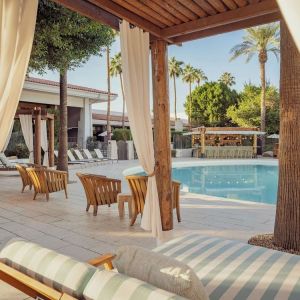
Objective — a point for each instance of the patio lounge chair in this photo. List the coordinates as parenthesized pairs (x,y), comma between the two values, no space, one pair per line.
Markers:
(26,181)
(99,190)
(99,154)
(46,181)
(60,277)
(73,160)
(6,163)
(89,155)
(138,187)
(81,158)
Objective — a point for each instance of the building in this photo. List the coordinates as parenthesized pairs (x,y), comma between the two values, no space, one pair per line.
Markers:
(45,94)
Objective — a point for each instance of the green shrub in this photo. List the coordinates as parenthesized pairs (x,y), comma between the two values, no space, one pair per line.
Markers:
(121,134)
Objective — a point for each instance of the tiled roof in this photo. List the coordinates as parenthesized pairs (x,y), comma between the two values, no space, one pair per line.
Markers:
(70,86)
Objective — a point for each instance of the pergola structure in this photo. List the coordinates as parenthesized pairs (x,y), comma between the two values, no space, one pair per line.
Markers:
(38,115)
(173,22)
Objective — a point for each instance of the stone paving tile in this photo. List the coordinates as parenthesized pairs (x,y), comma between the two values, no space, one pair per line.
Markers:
(64,225)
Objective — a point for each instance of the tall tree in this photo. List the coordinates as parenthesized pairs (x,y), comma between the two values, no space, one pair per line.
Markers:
(116,70)
(108,127)
(227,78)
(64,40)
(189,76)
(175,70)
(199,76)
(287,222)
(259,40)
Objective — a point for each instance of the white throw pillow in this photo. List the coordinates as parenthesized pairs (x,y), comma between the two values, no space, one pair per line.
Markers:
(161,271)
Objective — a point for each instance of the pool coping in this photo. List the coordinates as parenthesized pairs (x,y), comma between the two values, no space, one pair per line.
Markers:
(214,162)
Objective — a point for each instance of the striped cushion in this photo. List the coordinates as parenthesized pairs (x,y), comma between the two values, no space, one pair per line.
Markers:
(108,285)
(234,270)
(55,270)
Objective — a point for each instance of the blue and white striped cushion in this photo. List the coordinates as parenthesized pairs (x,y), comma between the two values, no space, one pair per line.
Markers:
(234,270)
(109,285)
(55,270)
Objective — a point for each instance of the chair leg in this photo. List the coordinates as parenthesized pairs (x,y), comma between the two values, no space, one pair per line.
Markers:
(34,196)
(132,221)
(178,214)
(87,207)
(23,188)
(95,210)
(66,193)
(30,186)
(47,196)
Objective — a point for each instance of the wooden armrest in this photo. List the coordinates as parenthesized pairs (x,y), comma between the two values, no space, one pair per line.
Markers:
(176,182)
(105,260)
(28,285)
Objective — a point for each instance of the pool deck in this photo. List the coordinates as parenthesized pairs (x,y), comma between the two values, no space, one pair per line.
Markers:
(63,225)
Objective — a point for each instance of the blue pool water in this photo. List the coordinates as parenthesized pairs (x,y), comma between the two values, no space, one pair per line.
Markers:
(257,183)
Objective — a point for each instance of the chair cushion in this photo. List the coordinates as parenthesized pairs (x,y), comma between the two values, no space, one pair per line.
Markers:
(109,285)
(161,271)
(58,271)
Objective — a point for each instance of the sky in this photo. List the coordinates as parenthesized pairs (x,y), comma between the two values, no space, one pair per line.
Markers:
(210,54)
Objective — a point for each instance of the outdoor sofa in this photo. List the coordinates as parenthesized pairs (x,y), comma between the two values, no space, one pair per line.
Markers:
(228,269)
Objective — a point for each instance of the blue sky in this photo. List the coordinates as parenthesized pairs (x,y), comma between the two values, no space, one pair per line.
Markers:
(210,54)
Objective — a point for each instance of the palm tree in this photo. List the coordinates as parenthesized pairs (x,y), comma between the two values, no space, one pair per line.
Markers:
(189,76)
(116,70)
(175,70)
(108,127)
(227,79)
(259,40)
(199,76)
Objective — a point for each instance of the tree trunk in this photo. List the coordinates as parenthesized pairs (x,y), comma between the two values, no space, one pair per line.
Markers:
(263,103)
(62,163)
(123,95)
(175,97)
(190,108)
(287,223)
(108,127)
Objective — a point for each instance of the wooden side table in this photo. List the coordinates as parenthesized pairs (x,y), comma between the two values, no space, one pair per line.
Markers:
(122,198)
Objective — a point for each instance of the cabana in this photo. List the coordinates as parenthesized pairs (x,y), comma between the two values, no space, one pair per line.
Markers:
(224,142)
(174,22)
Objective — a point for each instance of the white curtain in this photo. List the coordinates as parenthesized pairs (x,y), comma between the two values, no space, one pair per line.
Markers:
(135,67)
(9,136)
(17,21)
(290,10)
(44,143)
(27,129)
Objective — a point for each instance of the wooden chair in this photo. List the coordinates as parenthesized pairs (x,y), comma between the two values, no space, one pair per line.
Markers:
(46,181)
(138,186)
(99,190)
(24,176)
(39,290)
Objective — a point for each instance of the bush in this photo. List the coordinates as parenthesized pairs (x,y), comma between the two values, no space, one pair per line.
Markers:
(121,134)
(91,143)
(22,151)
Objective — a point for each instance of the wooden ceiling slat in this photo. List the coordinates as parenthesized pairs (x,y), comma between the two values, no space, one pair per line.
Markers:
(228,28)
(206,7)
(91,11)
(218,5)
(129,16)
(193,7)
(178,6)
(140,13)
(232,16)
(171,10)
(241,3)
(157,8)
(230,4)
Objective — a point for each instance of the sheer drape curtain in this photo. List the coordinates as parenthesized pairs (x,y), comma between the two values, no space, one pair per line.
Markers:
(17,21)
(9,136)
(290,10)
(135,68)
(27,129)
(44,143)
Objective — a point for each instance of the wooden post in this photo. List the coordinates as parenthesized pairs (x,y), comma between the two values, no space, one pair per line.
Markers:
(51,143)
(202,130)
(37,136)
(254,145)
(161,104)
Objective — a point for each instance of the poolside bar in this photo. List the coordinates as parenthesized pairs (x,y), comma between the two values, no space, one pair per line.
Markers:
(224,142)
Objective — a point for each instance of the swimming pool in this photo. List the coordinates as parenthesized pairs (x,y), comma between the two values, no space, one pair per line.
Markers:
(251,180)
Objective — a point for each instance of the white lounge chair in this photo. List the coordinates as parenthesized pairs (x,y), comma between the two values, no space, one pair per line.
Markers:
(89,155)
(70,162)
(100,155)
(81,158)
(72,158)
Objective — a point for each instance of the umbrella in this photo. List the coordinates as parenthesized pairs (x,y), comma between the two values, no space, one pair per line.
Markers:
(273,136)
(104,133)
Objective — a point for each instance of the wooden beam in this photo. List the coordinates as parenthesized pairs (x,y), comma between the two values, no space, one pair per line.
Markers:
(37,137)
(161,104)
(91,11)
(223,19)
(228,28)
(51,142)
